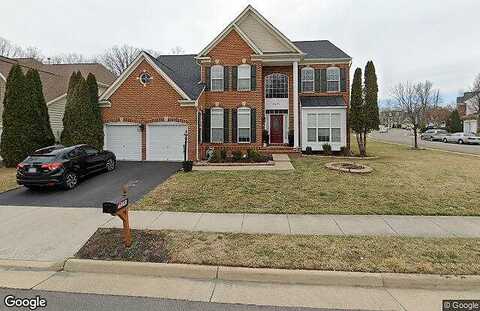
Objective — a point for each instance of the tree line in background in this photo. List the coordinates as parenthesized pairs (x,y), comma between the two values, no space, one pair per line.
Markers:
(363,116)
(26,124)
(116,58)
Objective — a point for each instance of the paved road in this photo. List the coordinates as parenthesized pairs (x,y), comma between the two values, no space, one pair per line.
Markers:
(72,302)
(405,137)
(141,177)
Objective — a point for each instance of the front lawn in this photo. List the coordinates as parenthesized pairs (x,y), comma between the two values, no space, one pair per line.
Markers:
(7,179)
(363,254)
(404,182)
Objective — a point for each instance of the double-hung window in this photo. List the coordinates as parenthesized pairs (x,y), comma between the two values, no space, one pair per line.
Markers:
(244,125)
(216,118)
(335,125)
(216,78)
(323,124)
(308,78)
(244,77)
(333,79)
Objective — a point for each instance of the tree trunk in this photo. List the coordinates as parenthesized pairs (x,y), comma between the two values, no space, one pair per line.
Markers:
(415,137)
(365,142)
(361,143)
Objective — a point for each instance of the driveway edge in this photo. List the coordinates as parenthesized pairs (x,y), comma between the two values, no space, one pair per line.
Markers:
(307,277)
(32,265)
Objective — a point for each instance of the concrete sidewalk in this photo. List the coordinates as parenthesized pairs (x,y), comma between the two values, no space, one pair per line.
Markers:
(413,226)
(335,297)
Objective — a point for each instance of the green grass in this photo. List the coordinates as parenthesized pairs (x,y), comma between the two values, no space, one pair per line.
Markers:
(404,182)
(7,179)
(335,253)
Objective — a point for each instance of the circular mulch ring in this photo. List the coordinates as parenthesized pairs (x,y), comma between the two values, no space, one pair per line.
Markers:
(349,167)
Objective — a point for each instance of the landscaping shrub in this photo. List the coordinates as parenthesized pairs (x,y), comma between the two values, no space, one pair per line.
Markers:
(237,155)
(345,152)
(223,154)
(308,150)
(187,166)
(265,136)
(255,156)
(327,149)
(218,156)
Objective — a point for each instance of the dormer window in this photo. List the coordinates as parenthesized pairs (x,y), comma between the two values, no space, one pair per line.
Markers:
(217,78)
(244,77)
(308,78)
(333,79)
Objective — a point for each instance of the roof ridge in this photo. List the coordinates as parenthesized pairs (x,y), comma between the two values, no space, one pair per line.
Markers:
(168,55)
(312,40)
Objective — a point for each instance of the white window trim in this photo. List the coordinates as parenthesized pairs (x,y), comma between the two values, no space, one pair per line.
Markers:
(271,76)
(329,127)
(244,78)
(216,111)
(244,110)
(212,78)
(317,127)
(305,69)
(329,80)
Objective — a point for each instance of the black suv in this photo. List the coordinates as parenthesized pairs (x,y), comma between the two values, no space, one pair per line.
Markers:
(62,166)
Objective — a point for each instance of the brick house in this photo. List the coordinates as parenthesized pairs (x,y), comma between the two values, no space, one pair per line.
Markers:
(467,106)
(250,78)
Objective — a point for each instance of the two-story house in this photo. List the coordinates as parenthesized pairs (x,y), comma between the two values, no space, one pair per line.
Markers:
(468,106)
(248,79)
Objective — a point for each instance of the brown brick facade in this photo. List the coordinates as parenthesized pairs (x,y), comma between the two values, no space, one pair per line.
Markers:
(155,102)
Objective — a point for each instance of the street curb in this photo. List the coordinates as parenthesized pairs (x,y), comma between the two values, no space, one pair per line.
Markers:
(32,265)
(141,268)
(265,275)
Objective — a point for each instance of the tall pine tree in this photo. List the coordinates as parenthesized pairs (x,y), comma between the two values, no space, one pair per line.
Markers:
(69,114)
(97,115)
(14,146)
(372,120)
(356,114)
(42,134)
(454,123)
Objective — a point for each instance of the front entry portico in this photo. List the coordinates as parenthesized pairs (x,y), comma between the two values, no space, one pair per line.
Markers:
(276,129)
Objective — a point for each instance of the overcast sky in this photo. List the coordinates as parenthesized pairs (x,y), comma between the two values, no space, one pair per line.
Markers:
(408,40)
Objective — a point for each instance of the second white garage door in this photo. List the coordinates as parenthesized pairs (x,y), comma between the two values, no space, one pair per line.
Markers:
(165,141)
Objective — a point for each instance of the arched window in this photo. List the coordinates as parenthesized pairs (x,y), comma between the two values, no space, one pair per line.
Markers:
(244,124)
(216,125)
(216,78)
(276,86)
(244,77)
(333,79)
(308,78)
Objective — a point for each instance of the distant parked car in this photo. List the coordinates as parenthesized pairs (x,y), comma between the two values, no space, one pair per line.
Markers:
(439,136)
(62,166)
(429,134)
(383,129)
(462,138)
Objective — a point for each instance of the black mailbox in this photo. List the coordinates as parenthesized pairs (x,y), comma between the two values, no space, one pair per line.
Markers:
(110,207)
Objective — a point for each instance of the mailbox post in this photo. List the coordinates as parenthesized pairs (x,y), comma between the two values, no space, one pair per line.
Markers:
(120,209)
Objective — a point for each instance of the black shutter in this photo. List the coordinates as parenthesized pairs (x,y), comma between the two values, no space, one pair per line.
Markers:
(299,80)
(199,126)
(206,126)
(225,125)
(317,80)
(207,78)
(253,125)
(253,77)
(225,78)
(234,78)
(343,80)
(234,125)
(323,80)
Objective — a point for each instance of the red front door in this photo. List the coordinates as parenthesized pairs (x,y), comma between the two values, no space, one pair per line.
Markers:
(276,129)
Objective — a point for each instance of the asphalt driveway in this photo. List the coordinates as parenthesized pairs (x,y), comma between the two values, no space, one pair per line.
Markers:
(141,177)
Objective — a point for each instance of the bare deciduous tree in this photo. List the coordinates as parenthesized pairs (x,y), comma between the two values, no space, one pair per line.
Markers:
(8,49)
(415,100)
(69,58)
(117,58)
(476,98)
(177,50)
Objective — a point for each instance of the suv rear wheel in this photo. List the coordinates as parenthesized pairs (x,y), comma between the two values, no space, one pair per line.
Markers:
(110,165)
(70,180)
(460,141)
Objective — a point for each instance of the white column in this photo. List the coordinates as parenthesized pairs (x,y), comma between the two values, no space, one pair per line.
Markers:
(295,105)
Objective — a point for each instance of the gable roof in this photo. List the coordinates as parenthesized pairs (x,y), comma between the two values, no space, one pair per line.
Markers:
(184,71)
(55,77)
(466,96)
(262,21)
(321,49)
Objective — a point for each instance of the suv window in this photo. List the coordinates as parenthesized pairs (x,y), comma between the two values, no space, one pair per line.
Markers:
(90,150)
(74,153)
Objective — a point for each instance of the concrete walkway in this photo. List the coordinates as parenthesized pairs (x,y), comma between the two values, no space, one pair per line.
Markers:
(282,163)
(254,293)
(413,226)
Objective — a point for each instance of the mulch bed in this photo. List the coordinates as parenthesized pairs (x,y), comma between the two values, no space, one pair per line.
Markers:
(107,244)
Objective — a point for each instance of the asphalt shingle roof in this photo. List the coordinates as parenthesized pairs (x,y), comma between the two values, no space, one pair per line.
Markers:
(322,101)
(320,49)
(184,71)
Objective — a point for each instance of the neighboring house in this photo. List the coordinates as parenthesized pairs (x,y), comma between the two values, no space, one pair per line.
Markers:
(55,79)
(468,108)
(251,77)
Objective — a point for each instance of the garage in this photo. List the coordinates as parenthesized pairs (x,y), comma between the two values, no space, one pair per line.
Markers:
(125,140)
(165,141)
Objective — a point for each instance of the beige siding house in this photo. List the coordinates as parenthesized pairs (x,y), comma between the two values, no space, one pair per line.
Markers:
(55,83)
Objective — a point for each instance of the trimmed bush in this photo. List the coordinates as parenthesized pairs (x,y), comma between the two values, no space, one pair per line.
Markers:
(237,155)
(327,149)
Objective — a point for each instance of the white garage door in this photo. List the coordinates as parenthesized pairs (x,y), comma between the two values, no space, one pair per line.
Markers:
(165,141)
(125,140)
